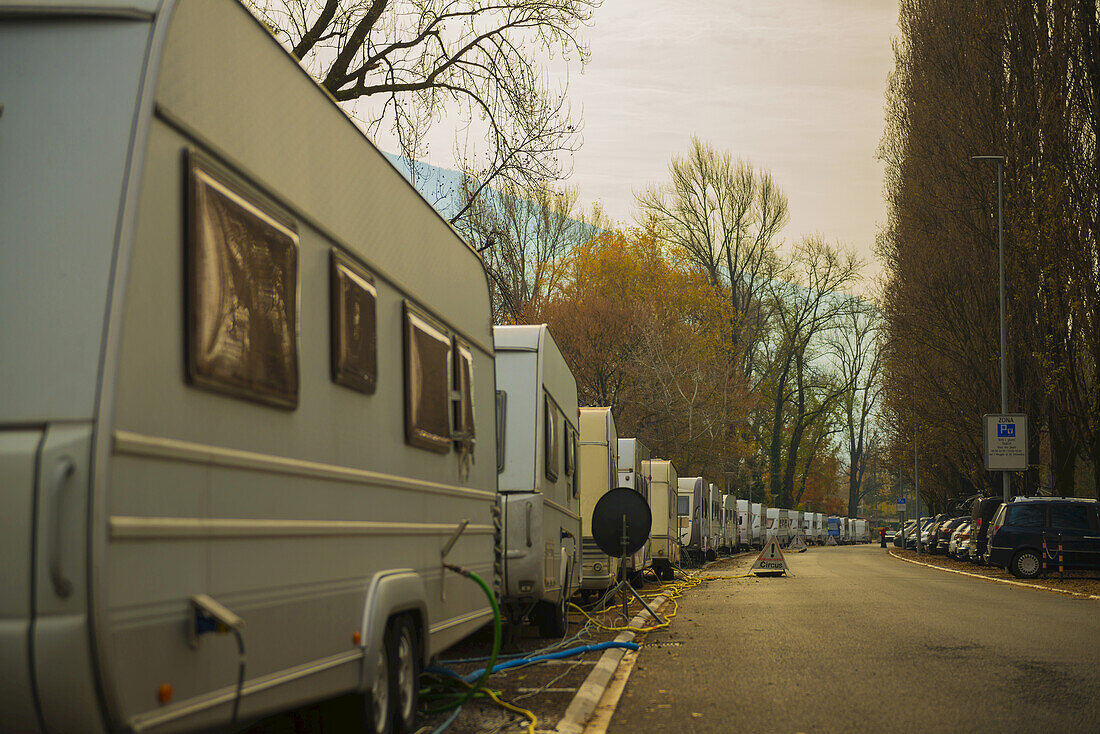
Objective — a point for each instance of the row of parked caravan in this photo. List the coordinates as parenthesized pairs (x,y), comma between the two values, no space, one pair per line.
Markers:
(250,386)
(711,523)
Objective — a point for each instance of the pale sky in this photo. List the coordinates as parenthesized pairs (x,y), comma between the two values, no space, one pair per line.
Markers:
(795,86)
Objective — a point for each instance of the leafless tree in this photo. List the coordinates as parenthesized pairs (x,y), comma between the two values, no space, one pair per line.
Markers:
(522,234)
(859,360)
(727,217)
(419,61)
(806,308)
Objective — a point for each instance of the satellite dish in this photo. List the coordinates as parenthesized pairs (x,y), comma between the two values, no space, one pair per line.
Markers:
(621,522)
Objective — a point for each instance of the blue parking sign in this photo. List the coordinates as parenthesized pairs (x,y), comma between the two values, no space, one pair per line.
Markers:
(1006,430)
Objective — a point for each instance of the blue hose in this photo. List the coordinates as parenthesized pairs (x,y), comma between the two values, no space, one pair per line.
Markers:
(536,659)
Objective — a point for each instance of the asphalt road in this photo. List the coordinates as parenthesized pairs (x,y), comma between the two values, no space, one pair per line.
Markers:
(856,641)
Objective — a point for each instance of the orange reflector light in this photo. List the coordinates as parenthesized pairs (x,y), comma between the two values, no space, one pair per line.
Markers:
(355,638)
(164,693)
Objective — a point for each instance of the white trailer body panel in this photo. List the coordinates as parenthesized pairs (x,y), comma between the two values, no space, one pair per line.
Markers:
(662,494)
(778,525)
(632,454)
(298,503)
(744,523)
(731,531)
(717,517)
(695,527)
(759,523)
(597,458)
(539,498)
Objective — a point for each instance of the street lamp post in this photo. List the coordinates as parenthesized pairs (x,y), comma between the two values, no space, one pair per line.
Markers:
(1006,482)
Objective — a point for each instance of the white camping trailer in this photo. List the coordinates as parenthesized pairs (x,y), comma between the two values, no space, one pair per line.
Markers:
(242,361)
(778,525)
(862,533)
(693,517)
(632,453)
(536,464)
(820,532)
(744,524)
(717,521)
(662,495)
(759,522)
(730,529)
(794,517)
(598,474)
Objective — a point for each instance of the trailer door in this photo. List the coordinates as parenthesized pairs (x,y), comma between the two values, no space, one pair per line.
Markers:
(18,449)
(70,81)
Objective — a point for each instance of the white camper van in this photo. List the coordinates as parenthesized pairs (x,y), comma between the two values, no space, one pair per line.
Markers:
(662,495)
(632,454)
(820,531)
(242,364)
(730,530)
(694,517)
(598,473)
(536,465)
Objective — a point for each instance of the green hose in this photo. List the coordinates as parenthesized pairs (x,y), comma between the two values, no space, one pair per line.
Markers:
(469,693)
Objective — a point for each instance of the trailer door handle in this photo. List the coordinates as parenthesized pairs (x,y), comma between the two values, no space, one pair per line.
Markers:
(63,472)
(528,524)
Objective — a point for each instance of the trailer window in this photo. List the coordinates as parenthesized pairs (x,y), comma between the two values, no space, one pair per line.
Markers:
(354,327)
(552,450)
(683,505)
(463,403)
(427,382)
(242,291)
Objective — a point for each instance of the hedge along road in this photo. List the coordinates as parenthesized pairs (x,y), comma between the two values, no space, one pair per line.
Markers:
(858,641)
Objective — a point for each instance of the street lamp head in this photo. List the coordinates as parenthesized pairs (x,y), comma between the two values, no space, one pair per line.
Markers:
(987,158)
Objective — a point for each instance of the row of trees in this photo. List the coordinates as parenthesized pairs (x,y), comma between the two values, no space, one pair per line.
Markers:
(1019,79)
(711,347)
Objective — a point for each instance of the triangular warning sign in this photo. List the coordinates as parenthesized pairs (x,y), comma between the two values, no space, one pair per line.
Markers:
(831,540)
(770,562)
(798,543)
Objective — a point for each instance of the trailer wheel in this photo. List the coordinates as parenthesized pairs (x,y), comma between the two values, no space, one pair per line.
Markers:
(404,655)
(552,619)
(377,701)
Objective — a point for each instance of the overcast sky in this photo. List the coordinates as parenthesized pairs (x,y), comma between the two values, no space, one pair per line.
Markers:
(795,86)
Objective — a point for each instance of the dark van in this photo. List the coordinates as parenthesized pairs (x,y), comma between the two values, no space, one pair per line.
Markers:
(1026,526)
(981,513)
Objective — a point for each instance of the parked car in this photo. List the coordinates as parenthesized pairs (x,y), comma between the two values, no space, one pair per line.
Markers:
(1025,527)
(981,512)
(911,538)
(960,540)
(943,534)
(928,533)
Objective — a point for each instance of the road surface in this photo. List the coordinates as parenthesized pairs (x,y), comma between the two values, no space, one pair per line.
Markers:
(858,641)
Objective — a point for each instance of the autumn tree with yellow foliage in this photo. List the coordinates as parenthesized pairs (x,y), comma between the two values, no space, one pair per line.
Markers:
(644,331)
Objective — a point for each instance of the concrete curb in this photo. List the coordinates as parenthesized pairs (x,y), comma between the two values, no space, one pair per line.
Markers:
(997,580)
(591,691)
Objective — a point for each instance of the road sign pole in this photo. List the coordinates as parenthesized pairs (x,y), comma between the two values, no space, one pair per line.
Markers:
(916,492)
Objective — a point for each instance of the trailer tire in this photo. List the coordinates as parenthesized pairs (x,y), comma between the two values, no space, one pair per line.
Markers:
(377,700)
(553,619)
(404,655)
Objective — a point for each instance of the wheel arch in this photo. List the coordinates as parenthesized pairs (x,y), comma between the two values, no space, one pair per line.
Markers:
(388,594)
